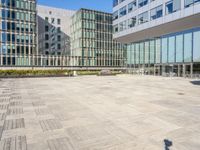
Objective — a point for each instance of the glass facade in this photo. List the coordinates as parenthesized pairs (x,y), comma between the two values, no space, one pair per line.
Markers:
(92,39)
(17,30)
(181,47)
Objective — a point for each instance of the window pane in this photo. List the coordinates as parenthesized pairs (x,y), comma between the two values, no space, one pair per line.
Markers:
(171,48)
(158,51)
(146,52)
(188,47)
(137,53)
(133,54)
(141,53)
(164,50)
(196,46)
(179,48)
(152,51)
(129,54)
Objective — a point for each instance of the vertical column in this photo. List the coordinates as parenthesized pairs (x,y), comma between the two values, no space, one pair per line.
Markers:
(191,70)
(184,69)
(41,62)
(154,70)
(163,70)
(159,70)
(179,70)
(1,60)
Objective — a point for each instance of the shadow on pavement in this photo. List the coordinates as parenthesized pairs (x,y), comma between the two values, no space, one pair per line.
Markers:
(167,144)
(195,82)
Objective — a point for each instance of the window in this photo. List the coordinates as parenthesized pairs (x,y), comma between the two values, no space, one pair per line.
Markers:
(132,22)
(142,18)
(58,21)
(120,1)
(59,46)
(196,46)
(141,45)
(3,37)
(115,15)
(179,48)
(173,6)
(13,15)
(52,20)
(169,7)
(188,3)
(46,37)
(122,11)
(142,3)
(164,45)
(3,25)
(188,47)
(4,13)
(59,38)
(132,6)
(47,28)
(46,19)
(158,49)
(58,30)
(13,26)
(171,49)
(122,26)
(156,12)
(152,51)
(116,29)
(46,45)
(115,3)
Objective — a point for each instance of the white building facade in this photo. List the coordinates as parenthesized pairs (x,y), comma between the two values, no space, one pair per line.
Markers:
(163,36)
(54,30)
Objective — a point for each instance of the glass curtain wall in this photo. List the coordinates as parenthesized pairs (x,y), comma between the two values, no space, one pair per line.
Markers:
(182,47)
(92,39)
(17,30)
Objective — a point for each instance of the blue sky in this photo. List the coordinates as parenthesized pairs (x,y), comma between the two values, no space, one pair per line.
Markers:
(102,5)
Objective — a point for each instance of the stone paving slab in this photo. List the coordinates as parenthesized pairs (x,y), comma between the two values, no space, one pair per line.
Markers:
(99,113)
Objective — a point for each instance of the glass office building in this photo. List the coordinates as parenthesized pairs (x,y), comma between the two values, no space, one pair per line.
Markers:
(162,37)
(170,53)
(17,31)
(92,39)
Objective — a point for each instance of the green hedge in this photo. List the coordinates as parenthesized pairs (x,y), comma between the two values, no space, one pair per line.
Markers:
(4,73)
(86,72)
(20,73)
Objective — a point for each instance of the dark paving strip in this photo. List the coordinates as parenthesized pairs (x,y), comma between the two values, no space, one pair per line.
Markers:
(3,106)
(14,124)
(15,103)
(14,143)
(2,116)
(1,132)
(50,124)
(7,99)
(42,111)
(38,103)
(60,144)
(15,97)
(15,111)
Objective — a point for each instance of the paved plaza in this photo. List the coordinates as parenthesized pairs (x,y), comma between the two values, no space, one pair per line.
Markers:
(99,113)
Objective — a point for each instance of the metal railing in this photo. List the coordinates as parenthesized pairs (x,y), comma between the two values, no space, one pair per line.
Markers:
(53,61)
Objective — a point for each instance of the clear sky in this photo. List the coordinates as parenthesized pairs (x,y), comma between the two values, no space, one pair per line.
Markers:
(102,5)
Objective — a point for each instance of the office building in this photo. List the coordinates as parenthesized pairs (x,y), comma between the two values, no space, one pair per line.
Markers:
(92,40)
(163,36)
(18,38)
(54,30)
